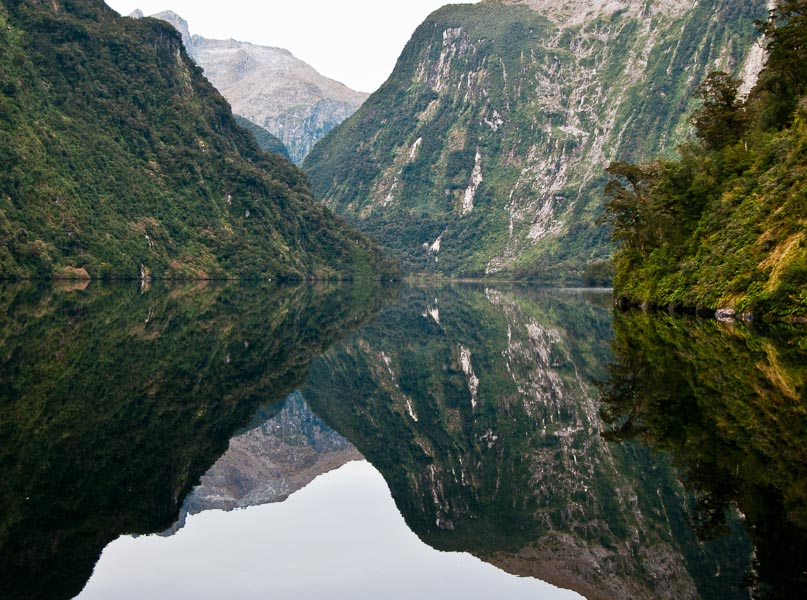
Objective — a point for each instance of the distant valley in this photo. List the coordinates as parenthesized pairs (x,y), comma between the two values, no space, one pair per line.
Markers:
(271,88)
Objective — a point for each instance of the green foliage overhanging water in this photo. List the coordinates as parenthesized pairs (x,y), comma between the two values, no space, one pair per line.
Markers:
(724,226)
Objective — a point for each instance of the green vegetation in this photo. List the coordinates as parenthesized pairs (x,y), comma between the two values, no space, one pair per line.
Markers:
(116,399)
(727,403)
(265,139)
(515,471)
(120,160)
(725,224)
(545,108)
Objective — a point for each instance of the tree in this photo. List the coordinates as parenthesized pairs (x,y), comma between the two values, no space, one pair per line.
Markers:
(784,79)
(720,120)
(627,205)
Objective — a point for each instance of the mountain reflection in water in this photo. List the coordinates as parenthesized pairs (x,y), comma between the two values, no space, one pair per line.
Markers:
(728,402)
(340,537)
(116,398)
(480,408)
(647,457)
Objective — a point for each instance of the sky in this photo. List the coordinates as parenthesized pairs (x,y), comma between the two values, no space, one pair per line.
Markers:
(353,41)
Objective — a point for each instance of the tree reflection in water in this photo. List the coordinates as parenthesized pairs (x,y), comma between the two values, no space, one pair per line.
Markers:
(728,402)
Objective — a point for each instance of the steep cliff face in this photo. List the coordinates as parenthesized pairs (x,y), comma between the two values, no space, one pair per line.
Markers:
(484,152)
(121,160)
(480,409)
(272,88)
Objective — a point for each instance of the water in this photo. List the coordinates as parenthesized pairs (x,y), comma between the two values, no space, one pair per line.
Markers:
(341,537)
(355,441)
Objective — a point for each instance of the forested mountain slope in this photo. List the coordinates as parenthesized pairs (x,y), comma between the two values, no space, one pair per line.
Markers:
(266,140)
(121,160)
(724,225)
(484,153)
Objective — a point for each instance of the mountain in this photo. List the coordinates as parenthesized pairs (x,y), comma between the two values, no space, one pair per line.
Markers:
(724,225)
(121,160)
(484,153)
(268,463)
(272,88)
(265,140)
(117,398)
(480,408)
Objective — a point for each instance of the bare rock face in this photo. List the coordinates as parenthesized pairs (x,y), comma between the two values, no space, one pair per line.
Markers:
(180,24)
(271,88)
(277,91)
(575,12)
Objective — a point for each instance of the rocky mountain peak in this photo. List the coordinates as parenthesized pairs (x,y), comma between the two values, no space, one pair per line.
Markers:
(180,24)
(169,16)
(271,87)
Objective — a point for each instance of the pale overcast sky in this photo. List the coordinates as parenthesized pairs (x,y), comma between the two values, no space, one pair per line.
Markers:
(353,41)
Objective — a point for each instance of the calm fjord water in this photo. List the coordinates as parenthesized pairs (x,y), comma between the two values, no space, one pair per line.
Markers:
(457,441)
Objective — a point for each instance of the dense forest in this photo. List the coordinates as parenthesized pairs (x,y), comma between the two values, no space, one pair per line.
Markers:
(723,225)
(119,159)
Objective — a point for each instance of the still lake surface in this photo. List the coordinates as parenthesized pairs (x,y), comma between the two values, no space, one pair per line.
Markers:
(464,441)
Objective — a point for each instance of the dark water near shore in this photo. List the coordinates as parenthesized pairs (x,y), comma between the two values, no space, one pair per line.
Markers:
(460,441)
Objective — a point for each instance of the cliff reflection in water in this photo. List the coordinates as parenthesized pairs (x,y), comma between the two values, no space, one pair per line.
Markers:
(728,402)
(479,407)
(642,457)
(114,400)
(284,449)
